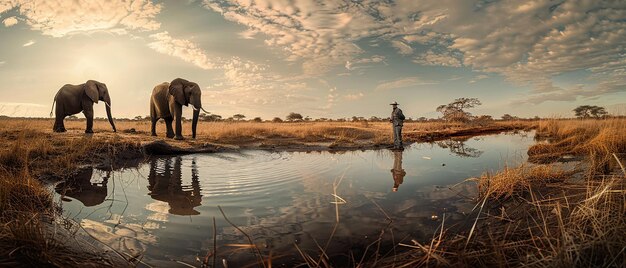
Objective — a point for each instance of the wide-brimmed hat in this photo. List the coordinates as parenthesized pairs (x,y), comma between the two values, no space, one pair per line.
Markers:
(394,103)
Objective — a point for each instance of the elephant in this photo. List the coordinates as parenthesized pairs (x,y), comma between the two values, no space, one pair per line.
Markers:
(72,99)
(167,102)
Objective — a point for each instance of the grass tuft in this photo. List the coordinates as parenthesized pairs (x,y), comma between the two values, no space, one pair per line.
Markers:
(510,181)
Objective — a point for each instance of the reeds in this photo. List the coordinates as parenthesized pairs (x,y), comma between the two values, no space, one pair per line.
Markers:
(537,215)
(595,140)
(578,225)
(29,234)
(515,180)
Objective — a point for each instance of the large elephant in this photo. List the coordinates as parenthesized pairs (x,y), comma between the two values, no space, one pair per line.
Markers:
(72,99)
(167,102)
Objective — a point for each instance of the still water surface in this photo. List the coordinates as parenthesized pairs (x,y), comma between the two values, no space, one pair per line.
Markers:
(164,209)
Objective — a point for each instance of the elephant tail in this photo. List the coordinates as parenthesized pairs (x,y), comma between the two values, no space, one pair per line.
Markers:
(52,109)
(55,99)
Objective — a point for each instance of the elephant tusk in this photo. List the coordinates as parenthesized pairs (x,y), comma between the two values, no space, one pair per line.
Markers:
(196,109)
(107,104)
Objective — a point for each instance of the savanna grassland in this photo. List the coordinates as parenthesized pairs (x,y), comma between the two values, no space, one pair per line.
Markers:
(267,134)
(541,213)
(544,213)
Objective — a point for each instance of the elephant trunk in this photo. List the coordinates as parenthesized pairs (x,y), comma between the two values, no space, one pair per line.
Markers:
(194,123)
(108,109)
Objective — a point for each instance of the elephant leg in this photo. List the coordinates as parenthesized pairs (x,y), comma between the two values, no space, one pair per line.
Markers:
(153,128)
(179,128)
(58,124)
(154,119)
(58,120)
(89,115)
(168,125)
(178,117)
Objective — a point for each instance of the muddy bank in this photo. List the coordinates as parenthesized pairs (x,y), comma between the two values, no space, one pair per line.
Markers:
(429,136)
(172,147)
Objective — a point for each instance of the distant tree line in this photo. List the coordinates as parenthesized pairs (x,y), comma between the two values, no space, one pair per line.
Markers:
(455,111)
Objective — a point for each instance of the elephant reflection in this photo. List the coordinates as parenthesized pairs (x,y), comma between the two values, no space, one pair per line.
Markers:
(81,188)
(397,172)
(165,184)
(459,148)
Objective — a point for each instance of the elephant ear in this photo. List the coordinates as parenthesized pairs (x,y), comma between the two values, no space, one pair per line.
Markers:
(177,90)
(188,90)
(91,89)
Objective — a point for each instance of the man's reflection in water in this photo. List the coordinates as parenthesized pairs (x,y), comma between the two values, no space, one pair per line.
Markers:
(165,184)
(81,187)
(397,172)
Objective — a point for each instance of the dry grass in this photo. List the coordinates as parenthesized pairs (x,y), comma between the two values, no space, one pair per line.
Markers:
(584,228)
(535,215)
(245,133)
(596,140)
(41,153)
(509,181)
(29,236)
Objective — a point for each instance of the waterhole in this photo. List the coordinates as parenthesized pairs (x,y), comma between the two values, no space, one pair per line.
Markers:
(287,202)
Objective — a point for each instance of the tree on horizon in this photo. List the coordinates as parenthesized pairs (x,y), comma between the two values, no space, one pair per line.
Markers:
(588,111)
(455,111)
(239,117)
(294,117)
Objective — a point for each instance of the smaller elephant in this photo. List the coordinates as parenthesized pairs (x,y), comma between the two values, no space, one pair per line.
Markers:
(167,102)
(72,99)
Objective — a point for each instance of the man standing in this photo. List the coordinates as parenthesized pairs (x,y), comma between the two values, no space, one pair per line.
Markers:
(397,120)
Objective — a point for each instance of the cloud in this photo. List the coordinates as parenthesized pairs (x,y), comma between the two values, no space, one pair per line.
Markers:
(547,91)
(531,43)
(236,71)
(527,43)
(10,21)
(617,109)
(403,83)
(402,47)
(444,59)
(570,94)
(331,99)
(29,43)
(21,108)
(59,18)
(21,104)
(355,96)
(183,49)
(323,34)
(478,78)
(361,63)
(244,84)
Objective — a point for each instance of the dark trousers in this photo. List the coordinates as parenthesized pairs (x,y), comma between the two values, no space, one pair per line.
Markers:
(397,136)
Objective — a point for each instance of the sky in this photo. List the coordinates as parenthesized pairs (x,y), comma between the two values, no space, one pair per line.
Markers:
(329,59)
